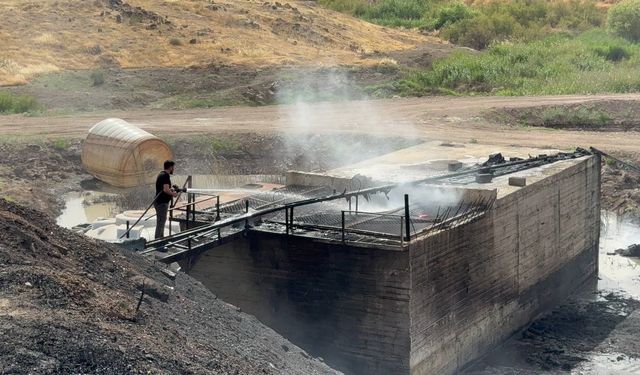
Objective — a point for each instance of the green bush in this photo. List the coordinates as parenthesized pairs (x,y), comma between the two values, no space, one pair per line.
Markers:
(583,117)
(624,19)
(396,13)
(97,78)
(522,20)
(12,103)
(450,14)
(558,64)
(479,26)
(613,53)
(61,144)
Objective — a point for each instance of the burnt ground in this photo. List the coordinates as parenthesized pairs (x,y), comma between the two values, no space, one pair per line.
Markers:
(39,172)
(566,339)
(68,305)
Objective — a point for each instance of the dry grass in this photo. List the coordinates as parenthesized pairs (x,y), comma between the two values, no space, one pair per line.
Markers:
(245,33)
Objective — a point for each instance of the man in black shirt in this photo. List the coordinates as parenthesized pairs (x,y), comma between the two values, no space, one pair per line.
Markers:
(164,193)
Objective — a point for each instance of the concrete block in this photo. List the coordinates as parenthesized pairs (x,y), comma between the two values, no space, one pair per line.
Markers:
(518,181)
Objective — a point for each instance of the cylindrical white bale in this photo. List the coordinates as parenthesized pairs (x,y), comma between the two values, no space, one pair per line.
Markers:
(123,155)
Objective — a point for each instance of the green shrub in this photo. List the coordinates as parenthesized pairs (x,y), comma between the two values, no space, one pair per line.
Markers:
(397,13)
(582,117)
(175,42)
(97,78)
(479,26)
(61,144)
(12,103)
(624,19)
(613,53)
(450,14)
(558,64)
(522,20)
(222,146)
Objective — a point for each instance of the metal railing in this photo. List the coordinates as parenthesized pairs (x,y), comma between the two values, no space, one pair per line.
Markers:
(359,222)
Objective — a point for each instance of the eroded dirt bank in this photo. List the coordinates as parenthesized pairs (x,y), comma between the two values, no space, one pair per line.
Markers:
(39,172)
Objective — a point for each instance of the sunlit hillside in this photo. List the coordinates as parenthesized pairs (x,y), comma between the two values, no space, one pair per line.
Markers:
(45,36)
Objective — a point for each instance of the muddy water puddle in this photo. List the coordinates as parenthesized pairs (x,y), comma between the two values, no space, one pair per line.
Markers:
(594,333)
(86,207)
(618,273)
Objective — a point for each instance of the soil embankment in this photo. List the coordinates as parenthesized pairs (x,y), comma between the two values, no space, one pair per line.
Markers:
(68,305)
(39,172)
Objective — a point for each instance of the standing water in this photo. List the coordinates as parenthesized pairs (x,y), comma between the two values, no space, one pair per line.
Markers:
(78,210)
(618,272)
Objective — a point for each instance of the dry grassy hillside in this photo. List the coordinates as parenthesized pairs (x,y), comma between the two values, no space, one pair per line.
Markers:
(50,35)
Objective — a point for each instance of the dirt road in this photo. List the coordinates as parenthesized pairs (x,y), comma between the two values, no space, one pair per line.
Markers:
(437,118)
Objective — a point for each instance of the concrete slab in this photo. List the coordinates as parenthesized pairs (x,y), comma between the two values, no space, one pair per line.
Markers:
(427,159)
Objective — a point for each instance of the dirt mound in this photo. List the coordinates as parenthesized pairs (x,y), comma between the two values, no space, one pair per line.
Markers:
(148,33)
(620,193)
(605,115)
(68,305)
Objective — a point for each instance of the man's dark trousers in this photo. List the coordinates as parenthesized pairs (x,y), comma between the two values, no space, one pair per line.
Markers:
(161,218)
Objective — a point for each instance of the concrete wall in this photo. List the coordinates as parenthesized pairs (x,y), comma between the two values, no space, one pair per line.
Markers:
(474,285)
(347,305)
(429,309)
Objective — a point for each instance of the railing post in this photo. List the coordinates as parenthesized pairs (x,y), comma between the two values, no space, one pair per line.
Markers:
(401,231)
(407,218)
(170,219)
(356,204)
(246,210)
(343,235)
(128,228)
(350,203)
(217,208)
(286,220)
(291,219)
(190,199)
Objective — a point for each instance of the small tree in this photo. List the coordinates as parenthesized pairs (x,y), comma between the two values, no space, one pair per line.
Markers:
(624,19)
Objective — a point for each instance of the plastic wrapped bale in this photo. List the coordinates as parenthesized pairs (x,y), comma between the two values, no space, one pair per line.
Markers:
(123,155)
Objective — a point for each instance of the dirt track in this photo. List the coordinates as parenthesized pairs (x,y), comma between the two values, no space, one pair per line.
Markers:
(439,118)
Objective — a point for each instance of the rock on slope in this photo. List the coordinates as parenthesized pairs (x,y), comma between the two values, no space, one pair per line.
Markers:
(68,305)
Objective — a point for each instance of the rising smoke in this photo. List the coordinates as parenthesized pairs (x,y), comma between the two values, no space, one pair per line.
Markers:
(327,102)
(321,104)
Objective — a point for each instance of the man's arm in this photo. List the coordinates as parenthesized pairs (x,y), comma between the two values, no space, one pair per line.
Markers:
(166,188)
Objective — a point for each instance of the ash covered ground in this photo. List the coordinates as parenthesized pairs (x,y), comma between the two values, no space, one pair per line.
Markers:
(68,305)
